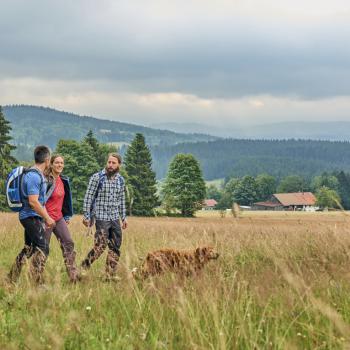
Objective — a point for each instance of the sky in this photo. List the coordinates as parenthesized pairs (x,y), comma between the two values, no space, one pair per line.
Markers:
(223,63)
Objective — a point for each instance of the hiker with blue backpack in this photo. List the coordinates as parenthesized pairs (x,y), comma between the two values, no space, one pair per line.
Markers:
(104,206)
(59,206)
(26,191)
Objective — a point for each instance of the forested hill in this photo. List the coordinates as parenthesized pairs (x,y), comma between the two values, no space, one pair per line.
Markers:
(234,157)
(33,125)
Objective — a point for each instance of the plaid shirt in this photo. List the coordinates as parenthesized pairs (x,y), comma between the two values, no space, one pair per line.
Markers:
(110,200)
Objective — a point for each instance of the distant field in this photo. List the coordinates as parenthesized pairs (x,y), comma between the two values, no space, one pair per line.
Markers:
(217,182)
(282,282)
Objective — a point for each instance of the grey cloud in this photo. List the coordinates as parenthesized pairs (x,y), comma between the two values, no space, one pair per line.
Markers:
(235,57)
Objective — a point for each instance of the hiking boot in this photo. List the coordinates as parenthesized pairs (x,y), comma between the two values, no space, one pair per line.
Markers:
(13,275)
(17,266)
(71,267)
(111,263)
(37,267)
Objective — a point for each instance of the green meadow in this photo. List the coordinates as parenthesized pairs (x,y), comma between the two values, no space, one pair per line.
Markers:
(282,281)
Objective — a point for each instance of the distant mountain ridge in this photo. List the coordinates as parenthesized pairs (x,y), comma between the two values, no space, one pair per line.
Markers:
(327,131)
(33,125)
(219,157)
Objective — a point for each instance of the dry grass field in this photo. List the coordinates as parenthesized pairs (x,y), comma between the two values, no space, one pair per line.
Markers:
(282,282)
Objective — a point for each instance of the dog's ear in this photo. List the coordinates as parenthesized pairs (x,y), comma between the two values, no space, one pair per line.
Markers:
(200,253)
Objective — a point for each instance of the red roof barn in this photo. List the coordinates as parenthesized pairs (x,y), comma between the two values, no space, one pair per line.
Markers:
(209,204)
(287,201)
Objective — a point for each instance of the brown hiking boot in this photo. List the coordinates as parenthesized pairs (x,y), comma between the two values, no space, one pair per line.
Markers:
(72,270)
(111,264)
(14,273)
(17,266)
(37,267)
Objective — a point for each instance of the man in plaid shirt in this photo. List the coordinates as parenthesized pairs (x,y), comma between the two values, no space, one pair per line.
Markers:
(104,203)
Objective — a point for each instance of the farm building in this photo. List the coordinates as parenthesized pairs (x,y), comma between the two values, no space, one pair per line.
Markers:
(288,201)
(209,204)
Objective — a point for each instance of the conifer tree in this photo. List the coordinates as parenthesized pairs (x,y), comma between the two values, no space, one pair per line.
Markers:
(100,150)
(142,179)
(92,141)
(7,161)
(184,185)
(344,188)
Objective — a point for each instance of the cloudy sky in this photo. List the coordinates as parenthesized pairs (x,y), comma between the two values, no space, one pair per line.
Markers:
(223,63)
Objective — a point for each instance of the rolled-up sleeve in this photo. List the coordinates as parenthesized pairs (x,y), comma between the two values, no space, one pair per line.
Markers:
(122,208)
(90,195)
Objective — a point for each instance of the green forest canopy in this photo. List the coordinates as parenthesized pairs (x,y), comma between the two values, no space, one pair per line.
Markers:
(32,125)
(236,158)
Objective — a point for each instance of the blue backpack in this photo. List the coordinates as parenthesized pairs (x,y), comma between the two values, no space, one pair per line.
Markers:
(14,187)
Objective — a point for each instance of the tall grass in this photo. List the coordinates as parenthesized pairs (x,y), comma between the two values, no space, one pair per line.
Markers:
(281,282)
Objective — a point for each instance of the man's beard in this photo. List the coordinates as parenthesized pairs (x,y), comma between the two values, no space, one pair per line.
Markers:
(110,173)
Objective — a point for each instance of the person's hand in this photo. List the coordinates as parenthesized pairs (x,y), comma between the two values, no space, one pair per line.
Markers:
(86,222)
(124,224)
(67,221)
(50,223)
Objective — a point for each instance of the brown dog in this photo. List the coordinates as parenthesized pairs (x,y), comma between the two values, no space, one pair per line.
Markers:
(185,262)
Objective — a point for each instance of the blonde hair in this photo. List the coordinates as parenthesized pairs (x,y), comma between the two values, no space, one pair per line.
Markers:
(49,172)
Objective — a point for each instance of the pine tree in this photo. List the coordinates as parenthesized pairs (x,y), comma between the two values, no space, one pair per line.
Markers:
(142,179)
(344,188)
(7,162)
(100,150)
(92,141)
(184,185)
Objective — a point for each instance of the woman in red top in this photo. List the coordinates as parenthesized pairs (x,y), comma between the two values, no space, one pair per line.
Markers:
(56,207)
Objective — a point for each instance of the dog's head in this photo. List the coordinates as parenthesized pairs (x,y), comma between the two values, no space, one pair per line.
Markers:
(206,253)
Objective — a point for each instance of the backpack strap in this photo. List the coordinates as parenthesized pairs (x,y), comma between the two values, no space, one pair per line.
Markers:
(121,180)
(101,180)
(50,188)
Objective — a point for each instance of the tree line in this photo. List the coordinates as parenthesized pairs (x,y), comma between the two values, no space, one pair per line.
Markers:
(183,190)
(279,158)
(332,190)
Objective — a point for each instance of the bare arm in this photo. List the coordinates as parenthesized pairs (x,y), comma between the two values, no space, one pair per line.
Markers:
(40,210)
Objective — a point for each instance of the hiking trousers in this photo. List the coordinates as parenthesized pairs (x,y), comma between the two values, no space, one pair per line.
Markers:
(108,233)
(35,247)
(64,237)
